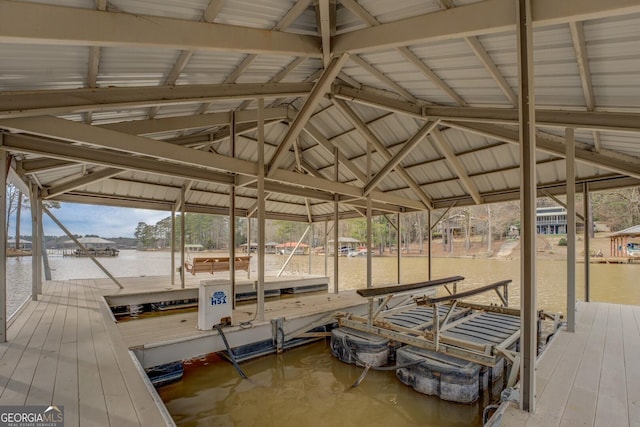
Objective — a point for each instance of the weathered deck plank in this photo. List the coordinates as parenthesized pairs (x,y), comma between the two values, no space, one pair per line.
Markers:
(66,385)
(612,392)
(560,381)
(59,352)
(581,404)
(19,338)
(603,386)
(28,354)
(92,410)
(41,391)
(119,406)
(631,339)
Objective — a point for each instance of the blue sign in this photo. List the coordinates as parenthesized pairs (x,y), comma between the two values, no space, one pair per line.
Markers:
(218,297)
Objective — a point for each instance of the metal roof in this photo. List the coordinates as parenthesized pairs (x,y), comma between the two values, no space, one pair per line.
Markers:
(127,102)
(631,231)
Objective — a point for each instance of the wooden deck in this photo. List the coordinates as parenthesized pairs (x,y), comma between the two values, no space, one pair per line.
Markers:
(61,350)
(65,349)
(590,377)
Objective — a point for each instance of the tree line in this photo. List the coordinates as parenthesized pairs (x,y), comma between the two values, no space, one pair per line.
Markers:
(619,209)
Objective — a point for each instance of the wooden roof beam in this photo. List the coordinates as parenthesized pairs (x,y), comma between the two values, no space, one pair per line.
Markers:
(486,17)
(81,27)
(456,165)
(380,148)
(303,116)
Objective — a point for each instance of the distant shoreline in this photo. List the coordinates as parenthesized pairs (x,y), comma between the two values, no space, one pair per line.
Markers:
(17,252)
(548,248)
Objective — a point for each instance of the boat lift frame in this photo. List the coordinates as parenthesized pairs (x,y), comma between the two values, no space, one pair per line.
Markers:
(432,335)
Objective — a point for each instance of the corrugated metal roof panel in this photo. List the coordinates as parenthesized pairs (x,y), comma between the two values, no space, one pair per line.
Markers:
(621,142)
(304,70)
(178,9)
(263,68)
(613,46)
(386,11)
(347,21)
(82,4)
(254,13)
(557,80)
(37,67)
(331,123)
(209,67)
(134,66)
(363,76)
(106,117)
(454,62)
(612,53)
(395,129)
(306,23)
(61,174)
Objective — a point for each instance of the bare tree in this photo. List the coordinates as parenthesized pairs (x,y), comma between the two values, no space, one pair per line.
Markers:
(18,213)
(12,202)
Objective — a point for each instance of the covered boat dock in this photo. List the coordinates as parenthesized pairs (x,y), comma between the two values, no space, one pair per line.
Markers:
(304,111)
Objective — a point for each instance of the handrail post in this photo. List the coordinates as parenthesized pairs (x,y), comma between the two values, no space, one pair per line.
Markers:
(436,326)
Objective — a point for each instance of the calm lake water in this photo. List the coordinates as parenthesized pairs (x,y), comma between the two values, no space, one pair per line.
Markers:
(307,386)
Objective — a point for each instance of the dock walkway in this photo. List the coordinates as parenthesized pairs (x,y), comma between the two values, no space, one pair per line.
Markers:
(590,377)
(62,350)
(65,350)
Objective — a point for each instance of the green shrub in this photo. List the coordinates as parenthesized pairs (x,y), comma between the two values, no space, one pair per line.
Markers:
(562,241)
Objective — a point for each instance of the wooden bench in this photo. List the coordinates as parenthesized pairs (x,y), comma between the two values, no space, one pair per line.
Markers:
(215,263)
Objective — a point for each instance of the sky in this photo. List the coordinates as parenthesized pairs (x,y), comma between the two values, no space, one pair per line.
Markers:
(105,221)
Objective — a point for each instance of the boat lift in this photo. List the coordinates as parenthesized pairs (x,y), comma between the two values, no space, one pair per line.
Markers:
(478,333)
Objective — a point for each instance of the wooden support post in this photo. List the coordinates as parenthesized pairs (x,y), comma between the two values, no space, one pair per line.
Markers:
(571,228)
(429,237)
(528,193)
(587,245)
(173,245)
(369,227)
(183,228)
(399,245)
(38,242)
(232,214)
(45,256)
(325,245)
(336,221)
(4,170)
(311,238)
(261,212)
(248,245)
(34,238)
(436,326)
